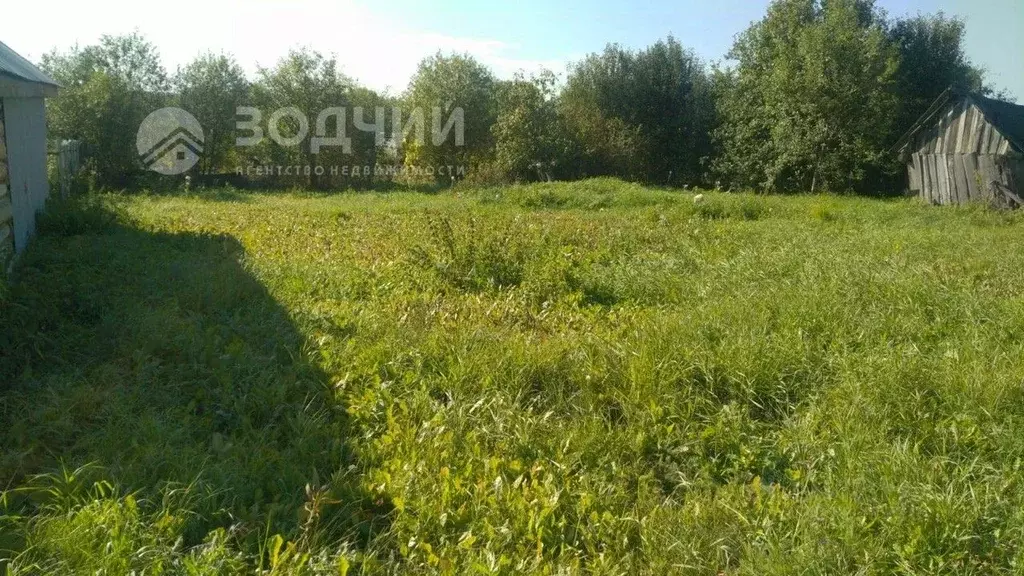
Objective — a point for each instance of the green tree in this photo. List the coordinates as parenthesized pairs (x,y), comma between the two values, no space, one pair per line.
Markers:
(369,109)
(644,115)
(810,103)
(107,90)
(211,88)
(530,140)
(932,59)
(442,86)
(312,83)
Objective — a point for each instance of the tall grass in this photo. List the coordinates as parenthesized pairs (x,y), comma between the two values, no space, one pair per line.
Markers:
(563,378)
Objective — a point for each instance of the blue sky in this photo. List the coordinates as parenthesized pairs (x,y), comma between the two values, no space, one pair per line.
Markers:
(540,29)
(380,42)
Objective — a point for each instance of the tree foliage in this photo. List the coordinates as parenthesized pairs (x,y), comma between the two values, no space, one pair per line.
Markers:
(107,90)
(810,102)
(311,83)
(442,86)
(211,88)
(529,136)
(812,98)
(932,59)
(645,115)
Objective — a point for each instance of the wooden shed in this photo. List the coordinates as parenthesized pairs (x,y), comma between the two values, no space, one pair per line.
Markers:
(23,177)
(967,148)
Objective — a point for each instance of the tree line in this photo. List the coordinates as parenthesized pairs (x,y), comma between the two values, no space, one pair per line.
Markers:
(811,97)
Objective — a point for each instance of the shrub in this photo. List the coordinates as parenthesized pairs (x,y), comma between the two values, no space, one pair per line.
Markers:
(470,259)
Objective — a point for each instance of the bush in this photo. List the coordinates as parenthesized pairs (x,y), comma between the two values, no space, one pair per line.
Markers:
(471,260)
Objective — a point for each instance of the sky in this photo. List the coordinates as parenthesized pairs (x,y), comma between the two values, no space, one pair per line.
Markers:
(380,42)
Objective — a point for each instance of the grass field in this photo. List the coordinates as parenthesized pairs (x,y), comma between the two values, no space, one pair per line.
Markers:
(562,378)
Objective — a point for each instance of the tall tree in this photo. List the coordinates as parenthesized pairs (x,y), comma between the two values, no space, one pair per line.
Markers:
(932,59)
(442,86)
(372,125)
(810,103)
(310,82)
(211,88)
(108,89)
(655,104)
(530,142)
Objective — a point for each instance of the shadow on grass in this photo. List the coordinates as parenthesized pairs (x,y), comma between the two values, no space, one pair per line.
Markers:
(160,359)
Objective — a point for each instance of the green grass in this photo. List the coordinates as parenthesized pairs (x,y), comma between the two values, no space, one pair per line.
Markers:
(562,378)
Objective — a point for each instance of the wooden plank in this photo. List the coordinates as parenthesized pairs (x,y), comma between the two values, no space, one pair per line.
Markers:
(1009,193)
(919,168)
(940,178)
(974,176)
(986,139)
(960,178)
(920,175)
(940,133)
(976,128)
(982,138)
(997,141)
(954,191)
(965,112)
(950,180)
(923,177)
(988,173)
(964,171)
(947,179)
(949,134)
(929,181)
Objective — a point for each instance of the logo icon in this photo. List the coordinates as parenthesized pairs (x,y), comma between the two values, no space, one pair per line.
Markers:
(170,141)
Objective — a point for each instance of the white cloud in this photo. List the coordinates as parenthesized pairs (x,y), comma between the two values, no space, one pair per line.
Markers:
(381,51)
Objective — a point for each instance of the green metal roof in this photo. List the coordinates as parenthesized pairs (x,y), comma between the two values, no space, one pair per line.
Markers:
(13,65)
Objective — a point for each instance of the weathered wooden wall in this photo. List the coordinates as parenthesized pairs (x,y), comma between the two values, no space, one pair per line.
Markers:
(6,209)
(957,159)
(25,121)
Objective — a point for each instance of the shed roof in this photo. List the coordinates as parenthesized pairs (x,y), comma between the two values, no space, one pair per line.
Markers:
(1006,117)
(14,66)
